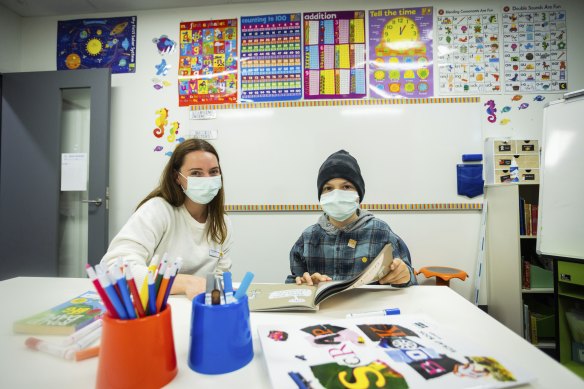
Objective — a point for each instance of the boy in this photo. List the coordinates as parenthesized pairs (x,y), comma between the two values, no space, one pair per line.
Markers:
(345,239)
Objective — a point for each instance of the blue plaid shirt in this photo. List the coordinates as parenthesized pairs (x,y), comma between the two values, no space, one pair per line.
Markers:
(327,250)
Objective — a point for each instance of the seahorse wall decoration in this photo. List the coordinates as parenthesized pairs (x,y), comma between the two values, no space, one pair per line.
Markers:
(161,121)
(491,110)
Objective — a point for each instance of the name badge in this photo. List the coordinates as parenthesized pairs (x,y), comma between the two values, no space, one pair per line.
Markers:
(215,253)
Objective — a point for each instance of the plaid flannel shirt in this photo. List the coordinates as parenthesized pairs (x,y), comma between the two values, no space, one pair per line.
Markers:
(332,254)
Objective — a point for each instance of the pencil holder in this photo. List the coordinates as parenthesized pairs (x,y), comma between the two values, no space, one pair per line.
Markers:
(221,339)
(137,353)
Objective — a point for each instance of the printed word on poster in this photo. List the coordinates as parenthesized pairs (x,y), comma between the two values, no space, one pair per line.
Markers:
(535,48)
(400,52)
(97,43)
(469,51)
(334,55)
(271,60)
(208,62)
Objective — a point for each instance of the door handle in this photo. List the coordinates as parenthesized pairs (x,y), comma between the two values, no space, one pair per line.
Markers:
(97,202)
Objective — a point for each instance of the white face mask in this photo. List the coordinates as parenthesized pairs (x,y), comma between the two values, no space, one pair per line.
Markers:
(340,204)
(202,189)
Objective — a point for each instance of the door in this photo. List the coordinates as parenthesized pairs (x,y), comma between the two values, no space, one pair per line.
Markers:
(36,136)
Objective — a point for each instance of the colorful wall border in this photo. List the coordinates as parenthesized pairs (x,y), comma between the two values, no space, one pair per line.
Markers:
(336,103)
(372,207)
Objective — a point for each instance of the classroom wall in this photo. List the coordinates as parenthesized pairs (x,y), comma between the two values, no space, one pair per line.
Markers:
(263,240)
(10,39)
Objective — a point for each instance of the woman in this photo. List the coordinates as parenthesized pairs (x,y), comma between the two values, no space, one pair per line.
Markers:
(183,217)
(346,239)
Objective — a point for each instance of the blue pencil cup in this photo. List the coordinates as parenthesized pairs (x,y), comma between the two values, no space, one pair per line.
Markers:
(221,339)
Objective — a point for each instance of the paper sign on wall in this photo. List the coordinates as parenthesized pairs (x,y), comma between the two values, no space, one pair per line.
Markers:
(74,172)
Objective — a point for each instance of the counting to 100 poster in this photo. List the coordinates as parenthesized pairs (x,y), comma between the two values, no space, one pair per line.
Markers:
(400,52)
(208,62)
(97,43)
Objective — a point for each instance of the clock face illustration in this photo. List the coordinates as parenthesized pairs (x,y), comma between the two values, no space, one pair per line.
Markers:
(400,36)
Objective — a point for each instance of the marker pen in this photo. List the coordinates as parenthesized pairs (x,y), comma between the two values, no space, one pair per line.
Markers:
(385,312)
(163,287)
(242,290)
(134,291)
(124,292)
(82,343)
(228,287)
(209,288)
(76,336)
(151,293)
(113,296)
(106,301)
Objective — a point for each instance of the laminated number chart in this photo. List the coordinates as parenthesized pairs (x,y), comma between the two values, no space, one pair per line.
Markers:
(334,55)
(271,58)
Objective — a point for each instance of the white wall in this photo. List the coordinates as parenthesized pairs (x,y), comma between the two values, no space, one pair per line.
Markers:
(264,240)
(10,41)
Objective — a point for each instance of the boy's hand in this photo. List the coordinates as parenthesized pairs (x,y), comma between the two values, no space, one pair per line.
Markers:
(312,279)
(398,273)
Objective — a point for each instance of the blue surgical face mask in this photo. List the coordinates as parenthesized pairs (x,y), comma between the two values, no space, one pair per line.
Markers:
(340,204)
(202,189)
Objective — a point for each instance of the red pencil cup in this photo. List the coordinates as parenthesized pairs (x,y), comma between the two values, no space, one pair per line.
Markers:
(137,353)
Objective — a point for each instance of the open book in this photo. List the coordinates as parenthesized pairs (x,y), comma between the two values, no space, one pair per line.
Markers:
(281,297)
(399,351)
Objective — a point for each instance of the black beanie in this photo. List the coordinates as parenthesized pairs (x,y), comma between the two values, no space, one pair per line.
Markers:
(341,165)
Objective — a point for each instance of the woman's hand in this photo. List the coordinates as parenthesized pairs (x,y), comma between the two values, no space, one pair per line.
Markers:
(188,285)
(312,279)
(398,273)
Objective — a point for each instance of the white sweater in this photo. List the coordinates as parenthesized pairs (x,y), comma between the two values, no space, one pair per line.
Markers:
(157,228)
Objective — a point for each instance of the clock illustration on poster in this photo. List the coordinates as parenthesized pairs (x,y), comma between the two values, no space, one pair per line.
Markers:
(400,37)
(400,49)
(97,43)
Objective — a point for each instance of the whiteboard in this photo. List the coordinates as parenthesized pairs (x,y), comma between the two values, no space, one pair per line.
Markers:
(407,152)
(561,192)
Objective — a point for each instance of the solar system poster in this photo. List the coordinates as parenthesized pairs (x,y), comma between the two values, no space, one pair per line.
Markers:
(97,43)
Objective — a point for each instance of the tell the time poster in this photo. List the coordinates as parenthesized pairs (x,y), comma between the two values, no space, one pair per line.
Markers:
(400,52)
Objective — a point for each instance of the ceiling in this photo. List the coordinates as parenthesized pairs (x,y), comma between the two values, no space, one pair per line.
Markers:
(34,8)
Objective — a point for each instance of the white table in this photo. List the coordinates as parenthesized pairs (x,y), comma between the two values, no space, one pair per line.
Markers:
(24,368)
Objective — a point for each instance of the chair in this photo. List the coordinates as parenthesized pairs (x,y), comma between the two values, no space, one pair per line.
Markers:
(443,274)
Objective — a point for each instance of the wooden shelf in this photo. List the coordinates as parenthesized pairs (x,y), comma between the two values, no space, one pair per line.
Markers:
(528,236)
(547,345)
(538,290)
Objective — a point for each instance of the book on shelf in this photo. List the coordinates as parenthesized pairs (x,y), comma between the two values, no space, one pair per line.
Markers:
(526,323)
(534,211)
(533,328)
(65,318)
(527,212)
(521,216)
(526,274)
(383,352)
(281,297)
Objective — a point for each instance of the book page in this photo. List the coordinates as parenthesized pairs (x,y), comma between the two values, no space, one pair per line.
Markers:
(264,297)
(374,272)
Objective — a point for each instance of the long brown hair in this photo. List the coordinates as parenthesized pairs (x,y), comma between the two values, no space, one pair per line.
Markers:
(169,190)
